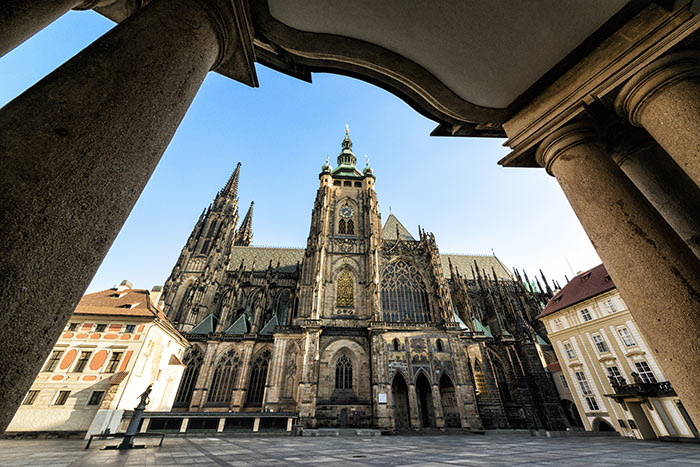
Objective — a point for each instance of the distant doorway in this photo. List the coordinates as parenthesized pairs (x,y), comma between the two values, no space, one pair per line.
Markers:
(343,418)
(399,400)
(425,401)
(448,399)
(601,425)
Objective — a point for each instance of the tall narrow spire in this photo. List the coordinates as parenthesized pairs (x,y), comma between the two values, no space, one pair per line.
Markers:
(244,236)
(232,186)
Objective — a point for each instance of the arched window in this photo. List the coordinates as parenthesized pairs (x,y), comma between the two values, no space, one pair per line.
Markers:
(344,293)
(341,227)
(397,344)
(212,228)
(404,296)
(350,227)
(224,379)
(283,301)
(193,361)
(343,373)
(479,379)
(501,379)
(258,376)
(439,346)
(185,304)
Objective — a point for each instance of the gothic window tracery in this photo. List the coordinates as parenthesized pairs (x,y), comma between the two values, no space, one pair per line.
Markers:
(350,227)
(193,361)
(224,379)
(343,373)
(283,301)
(344,293)
(404,296)
(341,227)
(258,376)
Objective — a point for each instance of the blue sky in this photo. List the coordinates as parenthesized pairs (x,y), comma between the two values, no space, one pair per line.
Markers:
(282,132)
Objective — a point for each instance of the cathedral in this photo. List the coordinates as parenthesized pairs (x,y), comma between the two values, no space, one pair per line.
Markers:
(367,326)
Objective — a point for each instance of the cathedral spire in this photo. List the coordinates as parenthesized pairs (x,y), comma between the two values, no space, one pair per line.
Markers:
(231,187)
(244,236)
(346,156)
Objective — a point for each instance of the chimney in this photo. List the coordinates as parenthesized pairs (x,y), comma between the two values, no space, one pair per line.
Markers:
(156,292)
(124,285)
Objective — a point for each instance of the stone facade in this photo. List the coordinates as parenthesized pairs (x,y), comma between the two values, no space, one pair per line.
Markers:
(366,326)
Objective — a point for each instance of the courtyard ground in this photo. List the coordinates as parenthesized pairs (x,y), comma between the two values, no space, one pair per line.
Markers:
(385,450)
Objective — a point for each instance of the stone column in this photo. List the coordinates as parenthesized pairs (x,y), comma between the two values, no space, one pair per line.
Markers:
(664,98)
(76,150)
(656,273)
(660,180)
(21,19)
(414,410)
(437,406)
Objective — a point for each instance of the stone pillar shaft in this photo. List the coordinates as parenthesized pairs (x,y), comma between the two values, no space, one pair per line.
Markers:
(664,98)
(21,19)
(656,273)
(77,148)
(663,183)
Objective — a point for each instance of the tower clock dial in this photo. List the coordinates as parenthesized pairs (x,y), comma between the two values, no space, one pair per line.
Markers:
(346,211)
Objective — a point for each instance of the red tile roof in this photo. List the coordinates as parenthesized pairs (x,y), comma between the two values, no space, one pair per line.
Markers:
(582,287)
(113,302)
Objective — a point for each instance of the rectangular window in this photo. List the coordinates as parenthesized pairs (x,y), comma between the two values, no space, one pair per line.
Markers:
(130,328)
(61,398)
(600,344)
(632,424)
(96,397)
(557,324)
(563,381)
(114,362)
(592,403)
(30,397)
(82,362)
(645,372)
(73,326)
(626,337)
(586,315)
(100,328)
(53,360)
(614,375)
(585,388)
(622,423)
(569,351)
(610,306)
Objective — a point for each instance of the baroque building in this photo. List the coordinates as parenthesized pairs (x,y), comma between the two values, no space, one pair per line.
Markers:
(366,326)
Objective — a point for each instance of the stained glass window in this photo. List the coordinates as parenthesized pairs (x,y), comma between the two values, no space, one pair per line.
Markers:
(224,379)
(258,376)
(343,373)
(193,360)
(404,297)
(344,296)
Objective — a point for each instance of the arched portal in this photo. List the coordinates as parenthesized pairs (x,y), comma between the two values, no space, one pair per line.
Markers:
(448,399)
(399,401)
(424,394)
(601,425)
(571,413)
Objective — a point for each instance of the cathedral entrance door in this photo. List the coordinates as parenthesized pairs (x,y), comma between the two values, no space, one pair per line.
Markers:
(425,401)
(449,402)
(399,400)
(343,418)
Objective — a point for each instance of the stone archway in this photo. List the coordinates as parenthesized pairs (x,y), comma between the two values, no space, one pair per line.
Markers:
(448,399)
(399,401)
(424,393)
(601,425)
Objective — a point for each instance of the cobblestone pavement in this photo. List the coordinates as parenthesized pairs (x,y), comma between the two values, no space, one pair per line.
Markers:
(386,450)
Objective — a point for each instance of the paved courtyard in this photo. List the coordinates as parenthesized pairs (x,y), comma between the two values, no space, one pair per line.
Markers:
(386,450)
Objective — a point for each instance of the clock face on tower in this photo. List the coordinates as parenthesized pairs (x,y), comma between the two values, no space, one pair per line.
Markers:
(346,211)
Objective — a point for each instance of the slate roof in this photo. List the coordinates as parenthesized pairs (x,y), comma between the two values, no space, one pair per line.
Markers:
(389,229)
(582,287)
(261,256)
(464,264)
(206,326)
(113,302)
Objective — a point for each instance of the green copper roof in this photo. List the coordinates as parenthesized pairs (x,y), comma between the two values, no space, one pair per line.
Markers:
(459,321)
(269,328)
(206,326)
(478,327)
(541,341)
(239,327)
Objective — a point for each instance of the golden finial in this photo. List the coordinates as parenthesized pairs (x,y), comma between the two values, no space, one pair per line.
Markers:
(367,159)
(327,159)
(347,129)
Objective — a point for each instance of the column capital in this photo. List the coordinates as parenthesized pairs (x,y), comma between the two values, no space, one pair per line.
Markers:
(565,137)
(662,72)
